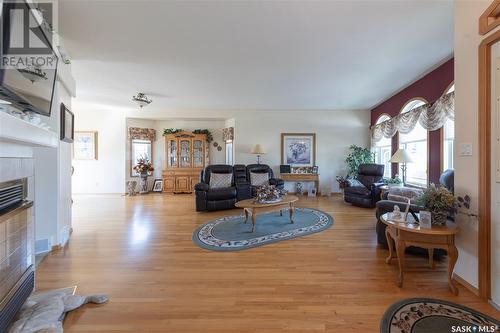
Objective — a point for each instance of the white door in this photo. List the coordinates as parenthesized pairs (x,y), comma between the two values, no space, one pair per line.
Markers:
(495,180)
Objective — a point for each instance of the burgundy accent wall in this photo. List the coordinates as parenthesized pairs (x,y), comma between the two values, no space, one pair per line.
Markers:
(430,87)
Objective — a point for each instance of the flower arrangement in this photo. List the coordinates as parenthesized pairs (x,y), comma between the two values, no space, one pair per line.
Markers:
(464,206)
(143,166)
(168,131)
(439,201)
(269,193)
(207,132)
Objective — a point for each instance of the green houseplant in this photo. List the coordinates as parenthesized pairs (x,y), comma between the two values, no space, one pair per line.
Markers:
(439,201)
(393,182)
(357,156)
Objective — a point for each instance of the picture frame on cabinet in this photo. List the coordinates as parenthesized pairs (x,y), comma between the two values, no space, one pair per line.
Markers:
(158,185)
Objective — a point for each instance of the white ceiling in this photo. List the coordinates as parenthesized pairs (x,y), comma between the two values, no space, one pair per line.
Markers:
(259,55)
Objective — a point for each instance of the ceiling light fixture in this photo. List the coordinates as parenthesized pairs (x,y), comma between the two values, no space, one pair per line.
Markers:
(142,100)
(34,74)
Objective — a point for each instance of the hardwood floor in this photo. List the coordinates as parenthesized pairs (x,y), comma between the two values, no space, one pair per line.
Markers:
(139,251)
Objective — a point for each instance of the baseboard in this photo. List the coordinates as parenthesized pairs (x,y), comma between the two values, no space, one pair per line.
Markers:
(495,305)
(466,284)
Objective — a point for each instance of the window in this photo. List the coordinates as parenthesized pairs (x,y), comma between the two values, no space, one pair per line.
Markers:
(229,152)
(383,149)
(415,143)
(139,149)
(448,139)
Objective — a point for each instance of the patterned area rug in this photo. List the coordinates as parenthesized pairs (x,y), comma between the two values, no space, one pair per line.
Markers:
(230,233)
(427,315)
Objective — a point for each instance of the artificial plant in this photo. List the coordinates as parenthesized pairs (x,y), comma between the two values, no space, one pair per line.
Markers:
(357,156)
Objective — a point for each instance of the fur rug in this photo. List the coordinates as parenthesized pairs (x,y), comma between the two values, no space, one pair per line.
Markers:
(44,314)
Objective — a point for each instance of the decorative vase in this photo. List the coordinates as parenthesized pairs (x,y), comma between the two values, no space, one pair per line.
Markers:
(144,183)
(439,218)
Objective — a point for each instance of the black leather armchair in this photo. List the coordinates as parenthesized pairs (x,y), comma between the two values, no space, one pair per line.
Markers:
(447,179)
(367,193)
(264,168)
(215,199)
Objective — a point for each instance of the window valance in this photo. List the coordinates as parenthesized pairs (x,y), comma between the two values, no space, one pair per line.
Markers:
(431,116)
(138,133)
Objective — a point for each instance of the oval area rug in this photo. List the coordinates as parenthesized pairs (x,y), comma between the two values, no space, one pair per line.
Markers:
(231,233)
(427,315)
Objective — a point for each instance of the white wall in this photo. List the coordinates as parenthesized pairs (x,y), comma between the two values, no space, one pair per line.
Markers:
(53,182)
(335,132)
(107,173)
(467,40)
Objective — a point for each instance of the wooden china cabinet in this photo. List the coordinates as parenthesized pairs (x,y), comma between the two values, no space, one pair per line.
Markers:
(187,155)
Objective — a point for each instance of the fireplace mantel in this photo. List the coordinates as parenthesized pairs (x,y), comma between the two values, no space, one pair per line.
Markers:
(18,131)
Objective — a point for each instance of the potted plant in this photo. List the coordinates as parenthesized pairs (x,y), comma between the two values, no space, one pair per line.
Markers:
(393,182)
(357,156)
(439,201)
(144,168)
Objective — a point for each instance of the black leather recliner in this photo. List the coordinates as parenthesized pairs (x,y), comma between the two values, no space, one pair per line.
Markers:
(264,168)
(215,199)
(367,193)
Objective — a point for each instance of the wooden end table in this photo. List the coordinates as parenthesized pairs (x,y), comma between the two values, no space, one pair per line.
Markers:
(251,207)
(383,190)
(402,235)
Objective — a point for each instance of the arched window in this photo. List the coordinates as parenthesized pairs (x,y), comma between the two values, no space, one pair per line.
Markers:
(383,149)
(415,143)
(448,139)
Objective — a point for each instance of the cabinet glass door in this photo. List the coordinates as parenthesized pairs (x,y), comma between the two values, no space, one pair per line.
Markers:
(185,153)
(197,153)
(172,153)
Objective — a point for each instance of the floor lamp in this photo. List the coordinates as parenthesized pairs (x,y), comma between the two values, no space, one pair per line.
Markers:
(402,156)
(257,150)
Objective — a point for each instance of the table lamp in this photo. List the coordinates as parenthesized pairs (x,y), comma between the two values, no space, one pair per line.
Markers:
(402,156)
(257,150)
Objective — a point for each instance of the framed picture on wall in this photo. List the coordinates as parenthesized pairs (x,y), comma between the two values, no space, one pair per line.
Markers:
(67,124)
(298,149)
(85,145)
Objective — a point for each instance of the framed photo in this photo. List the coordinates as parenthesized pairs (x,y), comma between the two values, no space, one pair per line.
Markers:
(425,218)
(158,185)
(85,145)
(67,124)
(298,149)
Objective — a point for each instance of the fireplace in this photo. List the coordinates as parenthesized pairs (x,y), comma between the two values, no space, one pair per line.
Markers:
(17,275)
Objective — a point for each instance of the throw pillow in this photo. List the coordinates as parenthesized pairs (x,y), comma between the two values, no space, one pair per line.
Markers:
(259,179)
(220,180)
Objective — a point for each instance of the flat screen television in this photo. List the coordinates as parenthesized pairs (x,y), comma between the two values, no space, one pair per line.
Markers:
(27,88)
